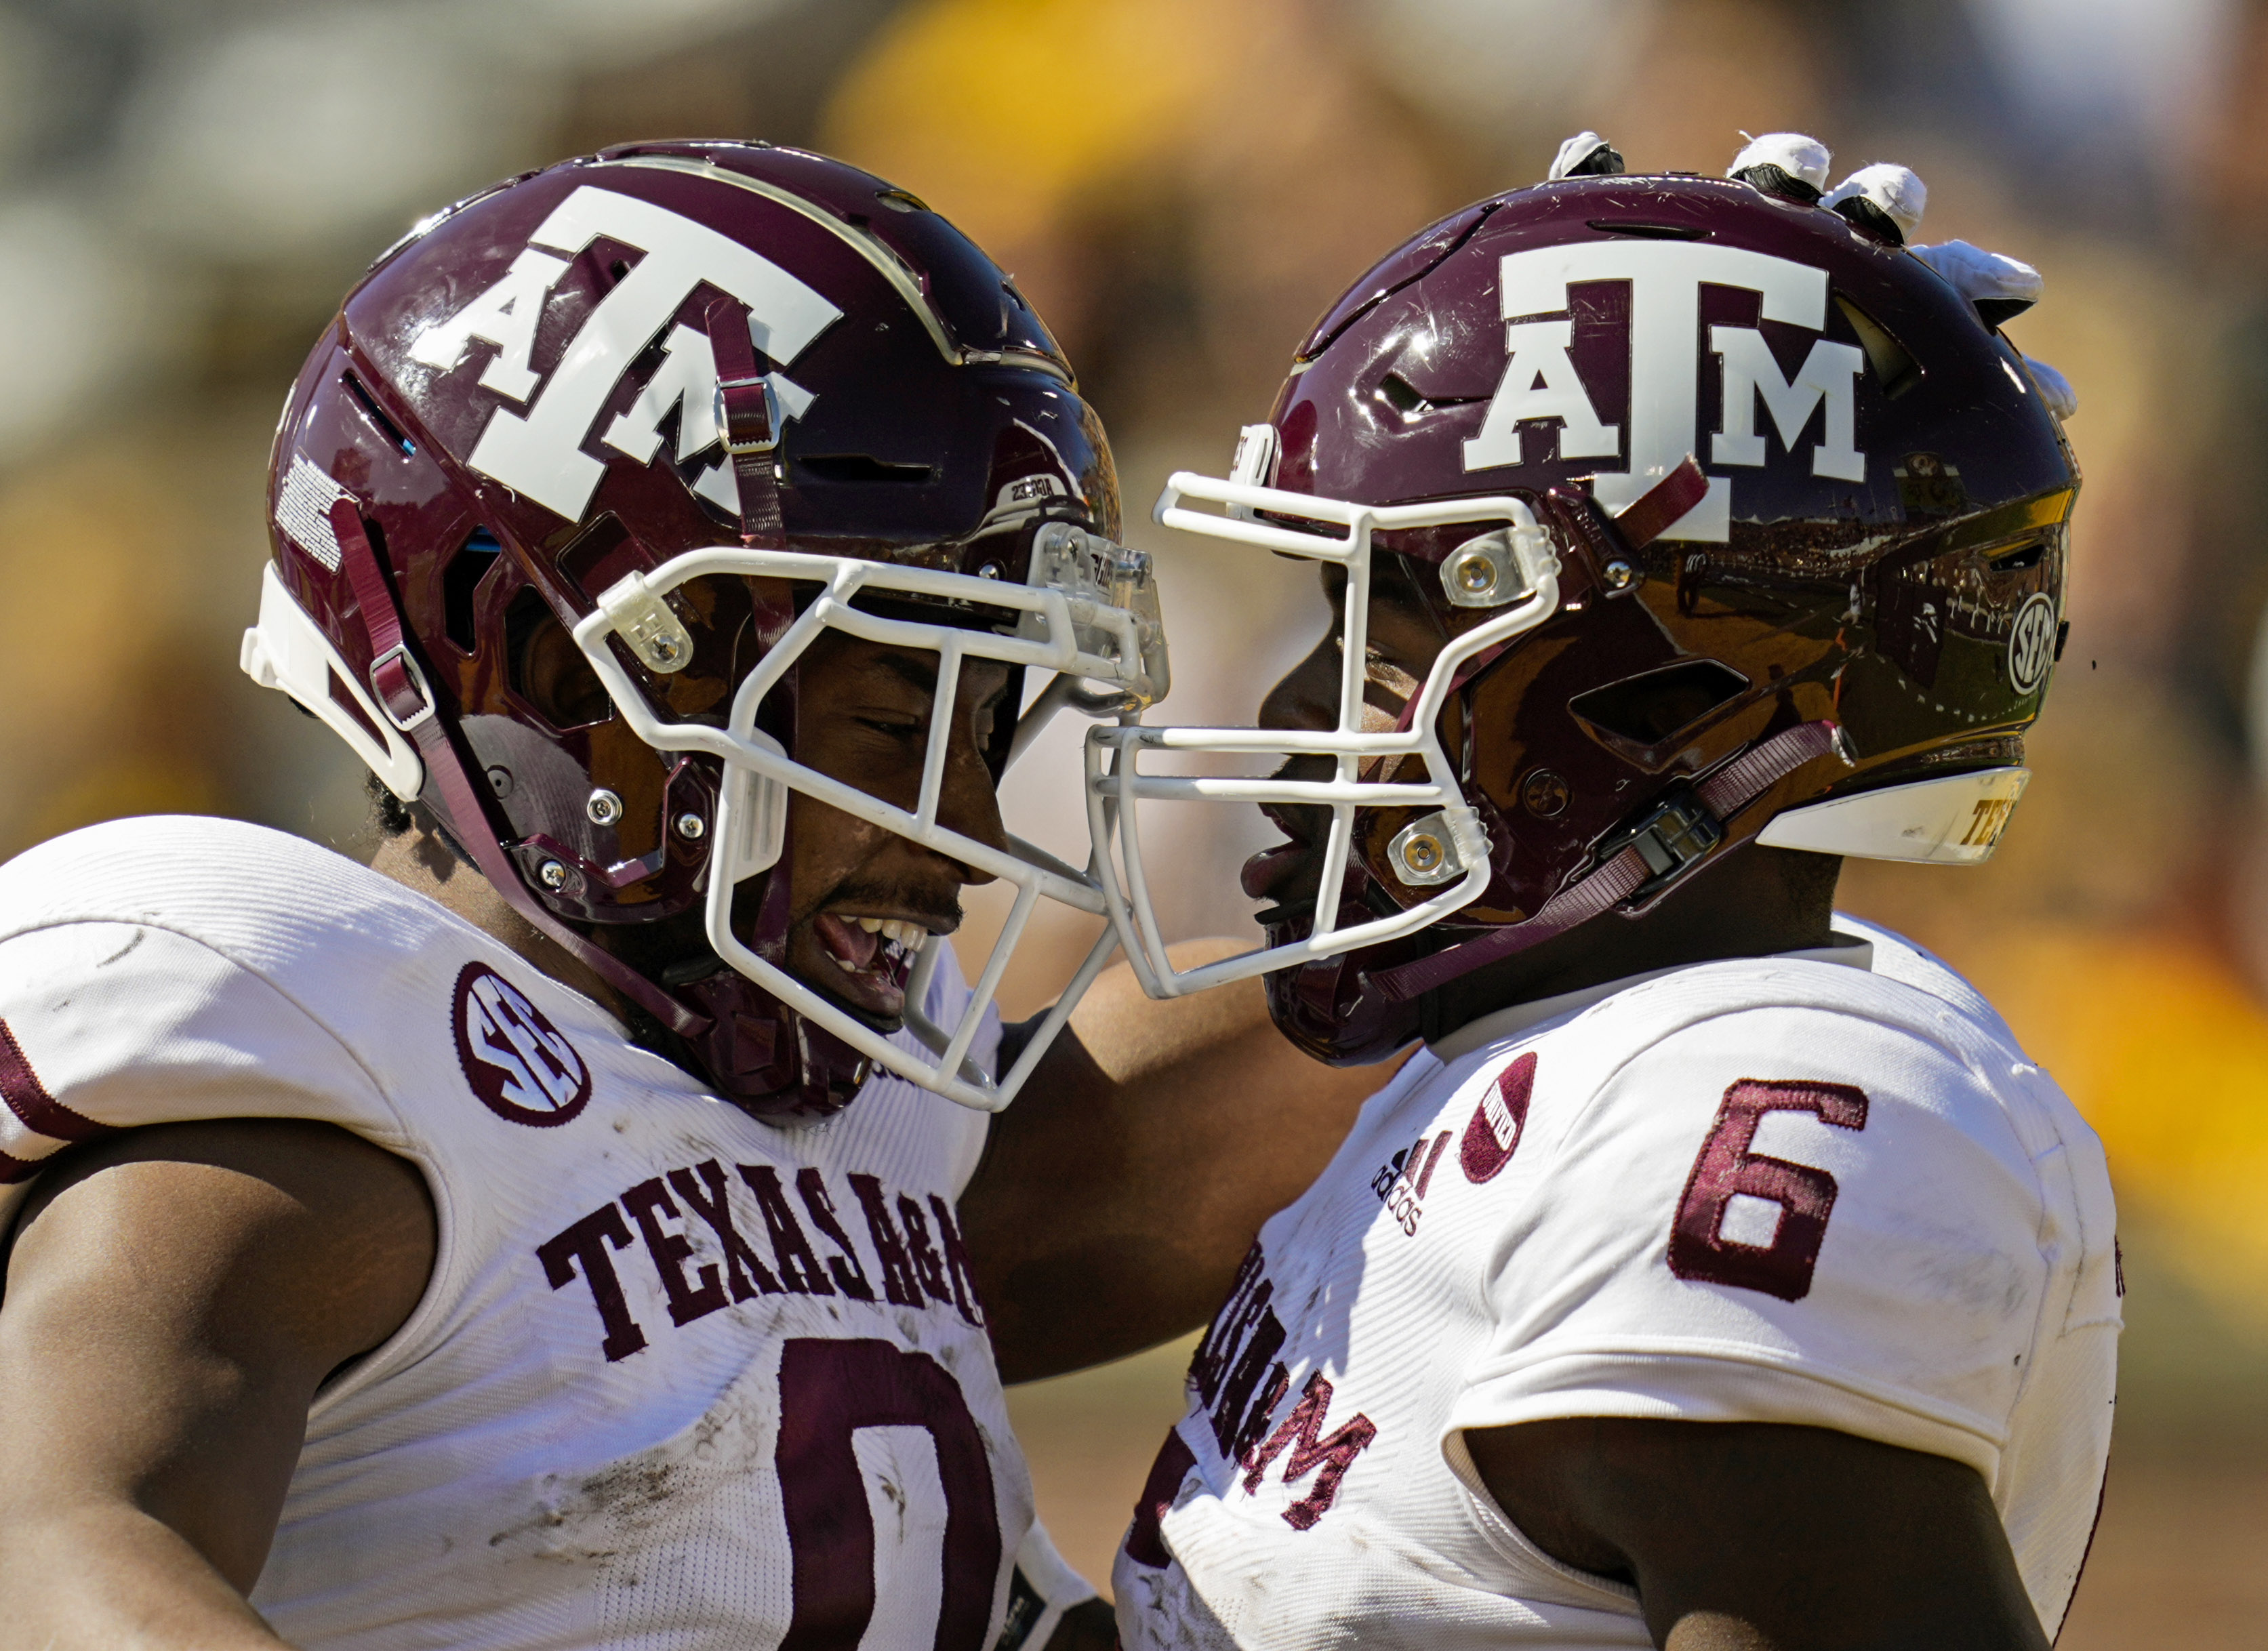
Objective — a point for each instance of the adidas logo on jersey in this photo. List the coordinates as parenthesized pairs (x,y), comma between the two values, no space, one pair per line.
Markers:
(1401,1182)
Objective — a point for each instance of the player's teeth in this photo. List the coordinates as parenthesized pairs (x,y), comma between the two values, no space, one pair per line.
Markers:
(872,925)
(910,935)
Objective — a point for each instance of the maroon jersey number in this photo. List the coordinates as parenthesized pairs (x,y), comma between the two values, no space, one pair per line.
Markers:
(1698,1249)
(829,1390)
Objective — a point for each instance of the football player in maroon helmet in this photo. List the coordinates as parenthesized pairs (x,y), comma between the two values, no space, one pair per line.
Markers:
(483,1248)
(1682,535)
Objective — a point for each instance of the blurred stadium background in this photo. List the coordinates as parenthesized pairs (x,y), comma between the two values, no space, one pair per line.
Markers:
(187,188)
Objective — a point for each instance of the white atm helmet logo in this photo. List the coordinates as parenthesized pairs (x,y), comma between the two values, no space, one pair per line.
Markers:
(539,453)
(521,1066)
(1665,278)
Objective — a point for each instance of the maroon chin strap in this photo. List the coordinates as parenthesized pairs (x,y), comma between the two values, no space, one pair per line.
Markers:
(749,418)
(407,700)
(1725,793)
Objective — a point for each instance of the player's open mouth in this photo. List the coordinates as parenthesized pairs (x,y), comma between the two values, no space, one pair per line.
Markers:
(872,958)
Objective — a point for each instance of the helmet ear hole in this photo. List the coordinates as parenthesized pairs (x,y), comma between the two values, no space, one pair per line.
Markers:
(1648,710)
(465,571)
(546,669)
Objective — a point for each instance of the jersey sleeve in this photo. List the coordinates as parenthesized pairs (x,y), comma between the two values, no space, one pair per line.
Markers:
(110,1026)
(1781,1214)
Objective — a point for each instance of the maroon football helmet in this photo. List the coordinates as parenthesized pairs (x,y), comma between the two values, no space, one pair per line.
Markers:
(693,403)
(1741,523)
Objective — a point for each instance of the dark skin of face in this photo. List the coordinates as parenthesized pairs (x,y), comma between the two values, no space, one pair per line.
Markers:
(176,1295)
(864,718)
(866,722)
(1738,1537)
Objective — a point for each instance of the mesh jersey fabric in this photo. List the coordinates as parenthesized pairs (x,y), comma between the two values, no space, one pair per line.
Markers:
(1774,1189)
(681,1378)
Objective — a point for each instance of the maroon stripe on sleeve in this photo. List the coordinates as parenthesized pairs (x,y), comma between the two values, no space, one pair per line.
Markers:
(15,1169)
(29,1100)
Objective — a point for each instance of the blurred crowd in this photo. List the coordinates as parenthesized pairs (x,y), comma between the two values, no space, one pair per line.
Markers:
(187,188)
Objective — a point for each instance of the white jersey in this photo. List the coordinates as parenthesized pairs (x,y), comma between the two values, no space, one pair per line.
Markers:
(1781,1190)
(681,1378)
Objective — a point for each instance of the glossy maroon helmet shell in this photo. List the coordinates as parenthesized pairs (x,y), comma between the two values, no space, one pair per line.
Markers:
(1883,604)
(943,423)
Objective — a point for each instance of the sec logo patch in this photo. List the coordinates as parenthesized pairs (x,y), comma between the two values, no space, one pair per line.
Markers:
(2031,644)
(520,1065)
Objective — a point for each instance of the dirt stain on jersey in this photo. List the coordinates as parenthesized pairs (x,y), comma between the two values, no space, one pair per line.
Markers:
(622,1511)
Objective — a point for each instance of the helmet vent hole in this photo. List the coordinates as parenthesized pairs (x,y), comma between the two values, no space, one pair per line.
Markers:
(1893,364)
(2017,558)
(599,556)
(1645,230)
(458,582)
(842,467)
(1401,396)
(1648,711)
(370,410)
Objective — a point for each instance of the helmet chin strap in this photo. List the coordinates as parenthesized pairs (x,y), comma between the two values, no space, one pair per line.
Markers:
(748,415)
(403,692)
(1654,850)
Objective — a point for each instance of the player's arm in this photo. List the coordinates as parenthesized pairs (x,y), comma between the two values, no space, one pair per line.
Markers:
(1118,1193)
(175,1296)
(1754,1537)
